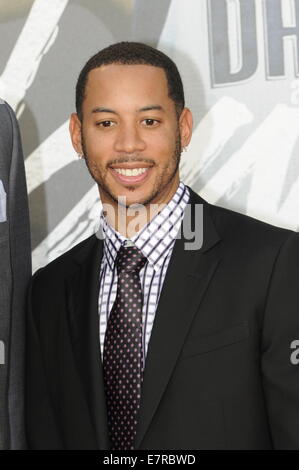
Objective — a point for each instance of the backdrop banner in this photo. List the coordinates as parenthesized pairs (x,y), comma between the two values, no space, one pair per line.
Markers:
(239,64)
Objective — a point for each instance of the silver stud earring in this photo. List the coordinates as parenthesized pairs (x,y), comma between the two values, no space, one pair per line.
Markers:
(80,155)
(184,149)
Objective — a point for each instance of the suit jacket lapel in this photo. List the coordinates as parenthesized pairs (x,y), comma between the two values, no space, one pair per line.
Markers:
(188,276)
(83,292)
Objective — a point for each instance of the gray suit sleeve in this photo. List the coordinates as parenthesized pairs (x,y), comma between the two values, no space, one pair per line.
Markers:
(17,249)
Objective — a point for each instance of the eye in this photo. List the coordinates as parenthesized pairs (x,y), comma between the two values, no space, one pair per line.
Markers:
(150,122)
(105,124)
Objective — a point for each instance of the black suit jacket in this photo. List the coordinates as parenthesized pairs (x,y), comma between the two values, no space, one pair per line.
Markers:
(218,371)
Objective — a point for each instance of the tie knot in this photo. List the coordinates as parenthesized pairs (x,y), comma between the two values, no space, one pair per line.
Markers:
(129,258)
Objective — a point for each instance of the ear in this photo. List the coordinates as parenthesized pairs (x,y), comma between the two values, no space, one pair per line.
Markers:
(75,132)
(186,125)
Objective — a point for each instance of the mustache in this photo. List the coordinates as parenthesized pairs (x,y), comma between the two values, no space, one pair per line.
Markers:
(127,159)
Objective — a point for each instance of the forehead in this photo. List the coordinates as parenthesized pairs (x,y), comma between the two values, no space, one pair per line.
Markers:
(127,82)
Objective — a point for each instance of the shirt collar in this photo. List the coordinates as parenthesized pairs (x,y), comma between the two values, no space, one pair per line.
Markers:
(159,232)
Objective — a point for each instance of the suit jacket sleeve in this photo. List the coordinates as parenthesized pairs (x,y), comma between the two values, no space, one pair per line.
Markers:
(20,261)
(281,328)
(41,428)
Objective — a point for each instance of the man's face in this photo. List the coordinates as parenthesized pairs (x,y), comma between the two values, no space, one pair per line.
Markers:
(130,134)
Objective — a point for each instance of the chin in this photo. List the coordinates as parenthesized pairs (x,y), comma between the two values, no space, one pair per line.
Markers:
(135,195)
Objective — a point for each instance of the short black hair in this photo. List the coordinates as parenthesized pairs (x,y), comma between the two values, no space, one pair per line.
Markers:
(133,53)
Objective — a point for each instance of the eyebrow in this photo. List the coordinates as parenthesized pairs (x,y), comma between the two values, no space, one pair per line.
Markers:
(155,107)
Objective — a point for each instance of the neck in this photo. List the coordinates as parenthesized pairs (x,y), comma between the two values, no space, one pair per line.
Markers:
(128,221)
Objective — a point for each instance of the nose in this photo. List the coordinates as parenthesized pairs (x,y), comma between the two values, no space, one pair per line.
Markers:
(129,139)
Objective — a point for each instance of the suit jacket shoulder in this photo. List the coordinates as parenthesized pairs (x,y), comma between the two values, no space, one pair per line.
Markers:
(243,230)
(63,265)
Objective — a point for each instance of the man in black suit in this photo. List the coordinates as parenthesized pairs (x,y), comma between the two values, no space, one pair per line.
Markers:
(219,319)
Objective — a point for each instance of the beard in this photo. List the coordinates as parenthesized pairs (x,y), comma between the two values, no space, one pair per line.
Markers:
(159,186)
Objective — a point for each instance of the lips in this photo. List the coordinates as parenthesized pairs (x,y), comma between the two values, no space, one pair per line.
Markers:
(130,179)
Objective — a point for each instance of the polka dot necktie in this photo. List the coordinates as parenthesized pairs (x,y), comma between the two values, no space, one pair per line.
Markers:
(123,351)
